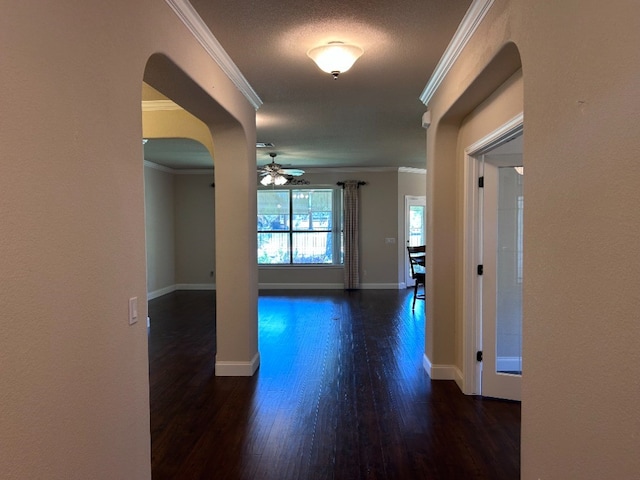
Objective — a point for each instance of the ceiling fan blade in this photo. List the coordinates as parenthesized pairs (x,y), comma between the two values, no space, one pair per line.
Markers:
(294,172)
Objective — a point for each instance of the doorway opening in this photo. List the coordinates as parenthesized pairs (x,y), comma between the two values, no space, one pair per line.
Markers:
(415,211)
(494,212)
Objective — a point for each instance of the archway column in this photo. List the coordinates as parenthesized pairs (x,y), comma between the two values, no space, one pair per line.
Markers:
(236,254)
(441,250)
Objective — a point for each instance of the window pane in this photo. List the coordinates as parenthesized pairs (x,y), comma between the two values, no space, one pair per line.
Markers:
(312,247)
(312,209)
(299,226)
(273,248)
(273,210)
(300,221)
(416,225)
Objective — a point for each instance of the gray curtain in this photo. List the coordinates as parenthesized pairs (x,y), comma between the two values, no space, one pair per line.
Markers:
(351,252)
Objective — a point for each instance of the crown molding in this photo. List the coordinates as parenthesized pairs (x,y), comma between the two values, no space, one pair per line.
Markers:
(348,169)
(176,171)
(315,170)
(185,11)
(194,171)
(467,27)
(159,105)
(422,171)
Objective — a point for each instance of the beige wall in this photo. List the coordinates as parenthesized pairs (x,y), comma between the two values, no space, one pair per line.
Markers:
(378,216)
(180,233)
(195,230)
(160,227)
(74,399)
(74,396)
(581,274)
(173,123)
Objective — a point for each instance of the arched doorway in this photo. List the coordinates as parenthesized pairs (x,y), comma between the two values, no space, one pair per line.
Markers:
(235,206)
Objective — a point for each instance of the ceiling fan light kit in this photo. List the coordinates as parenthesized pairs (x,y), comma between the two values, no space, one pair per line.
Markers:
(273,173)
(335,57)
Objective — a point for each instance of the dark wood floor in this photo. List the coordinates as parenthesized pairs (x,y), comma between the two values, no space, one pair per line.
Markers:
(340,394)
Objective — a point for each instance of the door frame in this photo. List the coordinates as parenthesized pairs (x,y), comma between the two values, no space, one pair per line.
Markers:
(472,252)
(410,200)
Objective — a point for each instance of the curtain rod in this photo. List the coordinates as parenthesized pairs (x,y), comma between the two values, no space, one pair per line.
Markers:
(359,183)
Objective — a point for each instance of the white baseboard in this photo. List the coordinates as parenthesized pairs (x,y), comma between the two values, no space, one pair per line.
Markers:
(238,369)
(426,364)
(277,286)
(438,372)
(301,286)
(180,286)
(380,286)
(160,292)
(326,286)
(459,378)
(195,286)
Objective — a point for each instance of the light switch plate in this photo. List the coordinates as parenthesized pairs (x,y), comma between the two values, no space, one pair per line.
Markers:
(133,310)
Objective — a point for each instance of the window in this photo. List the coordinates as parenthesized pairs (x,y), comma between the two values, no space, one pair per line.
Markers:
(299,226)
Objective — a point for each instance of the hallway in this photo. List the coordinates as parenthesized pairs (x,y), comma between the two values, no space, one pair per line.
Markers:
(340,394)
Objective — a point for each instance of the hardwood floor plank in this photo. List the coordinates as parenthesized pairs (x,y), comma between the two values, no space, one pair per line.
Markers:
(340,394)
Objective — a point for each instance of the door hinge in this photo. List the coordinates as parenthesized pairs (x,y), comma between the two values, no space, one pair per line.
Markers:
(480,269)
(479,355)
(481,182)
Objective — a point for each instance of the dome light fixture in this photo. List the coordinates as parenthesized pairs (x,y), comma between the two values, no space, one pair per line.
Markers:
(335,57)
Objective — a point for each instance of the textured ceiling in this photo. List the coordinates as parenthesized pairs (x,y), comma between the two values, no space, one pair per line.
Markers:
(370,116)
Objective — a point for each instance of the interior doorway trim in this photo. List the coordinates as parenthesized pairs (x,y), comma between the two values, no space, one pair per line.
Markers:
(471,286)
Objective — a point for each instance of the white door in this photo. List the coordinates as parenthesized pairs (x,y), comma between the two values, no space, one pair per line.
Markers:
(415,209)
(502,251)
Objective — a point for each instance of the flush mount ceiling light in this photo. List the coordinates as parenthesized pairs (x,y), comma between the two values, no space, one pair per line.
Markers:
(335,57)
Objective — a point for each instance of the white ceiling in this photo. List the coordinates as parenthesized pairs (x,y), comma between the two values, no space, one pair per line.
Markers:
(369,117)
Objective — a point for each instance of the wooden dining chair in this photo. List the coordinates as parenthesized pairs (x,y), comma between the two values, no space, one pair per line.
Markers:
(418,274)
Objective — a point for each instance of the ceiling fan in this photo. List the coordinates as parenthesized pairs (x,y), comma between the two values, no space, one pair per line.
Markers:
(273,173)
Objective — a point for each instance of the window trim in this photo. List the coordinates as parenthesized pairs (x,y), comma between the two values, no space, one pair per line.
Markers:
(336,230)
